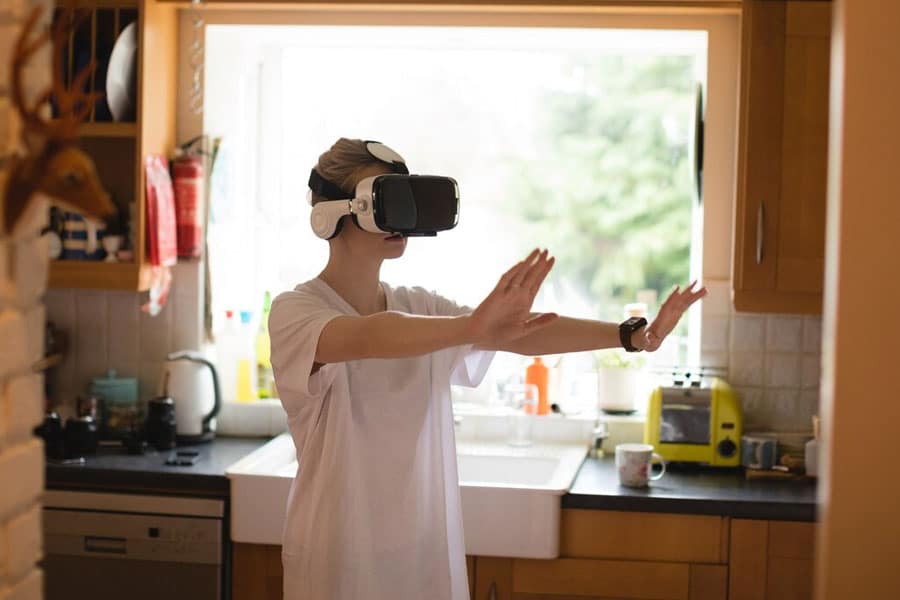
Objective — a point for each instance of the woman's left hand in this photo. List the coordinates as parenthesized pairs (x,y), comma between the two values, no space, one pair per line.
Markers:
(669,315)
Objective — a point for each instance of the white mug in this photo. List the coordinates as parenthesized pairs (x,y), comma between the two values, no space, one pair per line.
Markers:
(633,464)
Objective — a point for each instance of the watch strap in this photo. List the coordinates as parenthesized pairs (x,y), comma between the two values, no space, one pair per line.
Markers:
(627,329)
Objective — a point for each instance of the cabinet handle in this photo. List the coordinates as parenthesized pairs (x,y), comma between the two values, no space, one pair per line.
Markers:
(105,545)
(760,233)
(492,591)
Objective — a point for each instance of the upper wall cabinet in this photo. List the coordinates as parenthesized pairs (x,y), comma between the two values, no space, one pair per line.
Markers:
(133,44)
(780,215)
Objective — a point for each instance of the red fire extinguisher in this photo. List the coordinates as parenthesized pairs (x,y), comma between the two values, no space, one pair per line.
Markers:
(188,181)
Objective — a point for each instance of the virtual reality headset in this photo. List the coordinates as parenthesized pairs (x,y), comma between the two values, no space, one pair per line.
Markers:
(409,205)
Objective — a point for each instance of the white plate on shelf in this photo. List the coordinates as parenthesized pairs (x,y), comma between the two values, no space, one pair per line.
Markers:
(121,76)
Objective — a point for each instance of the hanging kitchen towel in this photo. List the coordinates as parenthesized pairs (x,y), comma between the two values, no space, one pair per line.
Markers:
(161,232)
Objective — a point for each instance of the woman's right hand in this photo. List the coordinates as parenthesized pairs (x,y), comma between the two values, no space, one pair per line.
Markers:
(505,315)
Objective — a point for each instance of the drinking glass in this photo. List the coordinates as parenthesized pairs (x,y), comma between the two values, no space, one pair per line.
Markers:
(521,399)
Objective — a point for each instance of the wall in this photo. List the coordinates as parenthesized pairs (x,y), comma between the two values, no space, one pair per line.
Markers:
(108,330)
(23,267)
(859,537)
(773,361)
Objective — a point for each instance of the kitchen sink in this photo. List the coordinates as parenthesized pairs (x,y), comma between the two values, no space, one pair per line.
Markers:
(510,496)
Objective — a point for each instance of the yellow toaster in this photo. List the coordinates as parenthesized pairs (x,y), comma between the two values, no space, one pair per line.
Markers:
(696,423)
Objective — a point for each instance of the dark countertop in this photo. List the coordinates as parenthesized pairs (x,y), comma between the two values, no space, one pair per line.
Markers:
(113,470)
(703,491)
(694,490)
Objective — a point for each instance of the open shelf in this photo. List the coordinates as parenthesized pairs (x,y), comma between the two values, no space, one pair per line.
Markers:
(94,274)
(108,130)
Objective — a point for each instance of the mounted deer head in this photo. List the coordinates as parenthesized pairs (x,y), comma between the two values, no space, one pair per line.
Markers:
(53,165)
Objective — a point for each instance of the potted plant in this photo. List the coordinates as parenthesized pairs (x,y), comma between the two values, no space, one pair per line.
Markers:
(618,380)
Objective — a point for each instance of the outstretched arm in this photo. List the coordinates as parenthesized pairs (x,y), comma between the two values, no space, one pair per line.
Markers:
(503,316)
(575,335)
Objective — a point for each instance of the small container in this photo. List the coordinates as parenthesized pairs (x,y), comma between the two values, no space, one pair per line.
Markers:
(81,436)
(811,451)
(51,430)
(759,452)
(120,404)
(522,402)
(160,427)
(538,375)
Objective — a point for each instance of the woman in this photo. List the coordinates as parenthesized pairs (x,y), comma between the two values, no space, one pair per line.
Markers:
(364,372)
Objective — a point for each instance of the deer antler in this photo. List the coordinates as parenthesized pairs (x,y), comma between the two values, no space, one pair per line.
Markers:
(58,168)
(22,52)
(72,103)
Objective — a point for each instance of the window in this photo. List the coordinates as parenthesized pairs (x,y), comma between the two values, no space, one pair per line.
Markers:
(577,139)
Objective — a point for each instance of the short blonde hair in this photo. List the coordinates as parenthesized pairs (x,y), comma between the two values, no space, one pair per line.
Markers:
(342,163)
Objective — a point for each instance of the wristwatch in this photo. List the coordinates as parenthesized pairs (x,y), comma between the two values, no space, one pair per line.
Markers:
(627,328)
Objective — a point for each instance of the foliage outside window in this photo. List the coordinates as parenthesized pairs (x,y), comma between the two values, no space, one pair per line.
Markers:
(575,140)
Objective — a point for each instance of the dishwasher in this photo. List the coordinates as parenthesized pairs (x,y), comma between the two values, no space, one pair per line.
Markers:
(108,546)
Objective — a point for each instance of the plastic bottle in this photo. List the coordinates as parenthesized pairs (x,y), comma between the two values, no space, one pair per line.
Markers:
(811,451)
(264,350)
(227,354)
(246,364)
(538,374)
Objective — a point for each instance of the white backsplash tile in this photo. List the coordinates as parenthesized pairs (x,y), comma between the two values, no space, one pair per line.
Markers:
(148,379)
(810,368)
(156,334)
(751,399)
(784,334)
(124,347)
(186,279)
(769,366)
(129,340)
(783,370)
(92,312)
(812,334)
(746,369)
(785,402)
(748,333)
(718,359)
(186,332)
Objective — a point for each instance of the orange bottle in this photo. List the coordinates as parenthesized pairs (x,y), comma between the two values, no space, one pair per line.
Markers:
(538,375)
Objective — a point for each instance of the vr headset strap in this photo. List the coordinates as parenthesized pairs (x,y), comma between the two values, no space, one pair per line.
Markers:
(322,187)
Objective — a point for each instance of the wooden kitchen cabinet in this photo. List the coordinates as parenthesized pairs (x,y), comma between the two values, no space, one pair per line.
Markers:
(611,554)
(782,157)
(257,572)
(621,555)
(771,560)
(118,148)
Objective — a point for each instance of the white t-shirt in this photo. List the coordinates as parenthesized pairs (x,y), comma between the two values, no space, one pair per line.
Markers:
(374,510)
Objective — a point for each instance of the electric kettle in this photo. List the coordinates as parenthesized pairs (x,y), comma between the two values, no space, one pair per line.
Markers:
(193,384)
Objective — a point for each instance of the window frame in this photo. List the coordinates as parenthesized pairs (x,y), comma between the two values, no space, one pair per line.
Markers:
(722,24)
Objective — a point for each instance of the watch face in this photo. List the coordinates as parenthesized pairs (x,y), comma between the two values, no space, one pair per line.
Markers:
(634,322)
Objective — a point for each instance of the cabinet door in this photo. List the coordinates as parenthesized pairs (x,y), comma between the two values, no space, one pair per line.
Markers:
(782,174)
(590,579)
(771,560)
(256,572)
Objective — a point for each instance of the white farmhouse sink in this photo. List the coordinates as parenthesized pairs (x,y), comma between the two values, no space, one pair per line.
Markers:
(260,484)
(510,496)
